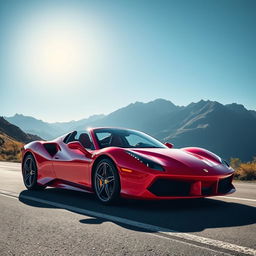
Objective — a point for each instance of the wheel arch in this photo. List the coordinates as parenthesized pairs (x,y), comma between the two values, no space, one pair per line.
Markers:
(27,153)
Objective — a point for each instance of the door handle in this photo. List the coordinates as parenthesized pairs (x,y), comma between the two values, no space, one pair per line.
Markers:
(56,157)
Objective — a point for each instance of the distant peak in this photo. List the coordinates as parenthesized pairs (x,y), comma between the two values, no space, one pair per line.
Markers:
(208,101)
(236,107)
(200,102)
(161,100)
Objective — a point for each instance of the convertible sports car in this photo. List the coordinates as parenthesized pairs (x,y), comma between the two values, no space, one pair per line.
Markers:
(114,162)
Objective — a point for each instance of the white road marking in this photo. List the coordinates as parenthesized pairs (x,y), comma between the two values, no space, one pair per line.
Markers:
(238,198)
(158,234)
(149,227)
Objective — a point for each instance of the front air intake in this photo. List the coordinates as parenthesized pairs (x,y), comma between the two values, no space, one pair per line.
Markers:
(225,185)
(166,187)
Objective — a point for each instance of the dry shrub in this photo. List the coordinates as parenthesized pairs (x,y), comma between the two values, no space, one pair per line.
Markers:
(244,171)
(10,149)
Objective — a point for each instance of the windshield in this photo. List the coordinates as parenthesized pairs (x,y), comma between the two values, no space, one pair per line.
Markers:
(114,137)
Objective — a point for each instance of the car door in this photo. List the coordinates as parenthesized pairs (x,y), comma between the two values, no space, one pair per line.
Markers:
(72,166)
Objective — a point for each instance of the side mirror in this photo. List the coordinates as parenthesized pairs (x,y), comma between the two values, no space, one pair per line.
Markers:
(169,145)
(78,145)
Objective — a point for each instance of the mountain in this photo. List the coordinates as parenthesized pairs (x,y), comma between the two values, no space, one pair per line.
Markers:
(72,125)
(228,130)
(141,116)
(35,126)
(15,132)
(12,138)
(46,130)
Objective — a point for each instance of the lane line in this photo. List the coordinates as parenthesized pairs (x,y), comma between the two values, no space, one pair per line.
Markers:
(158,234)
(237,198)
(149,227)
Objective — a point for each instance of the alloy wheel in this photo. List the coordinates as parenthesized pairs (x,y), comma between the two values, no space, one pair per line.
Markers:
(29,172)
(104,181)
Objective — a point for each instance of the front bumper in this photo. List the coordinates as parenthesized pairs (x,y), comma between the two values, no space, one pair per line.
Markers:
(190,188)
(175,187)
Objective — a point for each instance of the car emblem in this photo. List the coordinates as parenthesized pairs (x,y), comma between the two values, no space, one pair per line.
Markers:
(205,170)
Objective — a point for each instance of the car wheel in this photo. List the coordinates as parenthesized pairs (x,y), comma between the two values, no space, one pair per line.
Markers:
(106,182)
(29,172)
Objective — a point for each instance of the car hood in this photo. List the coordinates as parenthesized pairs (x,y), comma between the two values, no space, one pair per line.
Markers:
(180,161)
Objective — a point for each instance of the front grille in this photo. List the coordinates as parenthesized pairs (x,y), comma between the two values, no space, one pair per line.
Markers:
(165,187)
(225,185)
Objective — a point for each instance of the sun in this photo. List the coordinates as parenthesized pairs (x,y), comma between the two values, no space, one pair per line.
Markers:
(59,55)
(61,51)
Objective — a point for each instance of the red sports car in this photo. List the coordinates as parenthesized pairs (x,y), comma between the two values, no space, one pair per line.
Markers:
(114,162)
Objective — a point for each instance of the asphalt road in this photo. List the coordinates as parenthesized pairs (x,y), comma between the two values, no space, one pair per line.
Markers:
(60,222)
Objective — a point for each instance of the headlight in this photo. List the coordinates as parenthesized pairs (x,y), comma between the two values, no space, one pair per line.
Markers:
(224,162)
(149,163)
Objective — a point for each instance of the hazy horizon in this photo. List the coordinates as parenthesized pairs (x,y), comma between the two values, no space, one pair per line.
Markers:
(94,114)
(61,62)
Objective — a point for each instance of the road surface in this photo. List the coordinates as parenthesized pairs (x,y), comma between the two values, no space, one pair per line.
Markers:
(61,222)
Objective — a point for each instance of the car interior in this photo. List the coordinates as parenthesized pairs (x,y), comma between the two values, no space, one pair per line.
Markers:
(83,138)
(122,140)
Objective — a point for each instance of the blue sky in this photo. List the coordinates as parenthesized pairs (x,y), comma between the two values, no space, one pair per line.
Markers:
(65,60)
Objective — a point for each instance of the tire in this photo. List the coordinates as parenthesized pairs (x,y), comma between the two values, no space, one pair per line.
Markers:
(29,173)
(106,182)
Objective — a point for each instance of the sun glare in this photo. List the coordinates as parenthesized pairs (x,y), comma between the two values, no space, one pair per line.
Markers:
(59,50)
(58,57)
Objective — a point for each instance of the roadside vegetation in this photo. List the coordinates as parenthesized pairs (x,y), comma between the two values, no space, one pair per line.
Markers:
(10,149)
(244,171)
